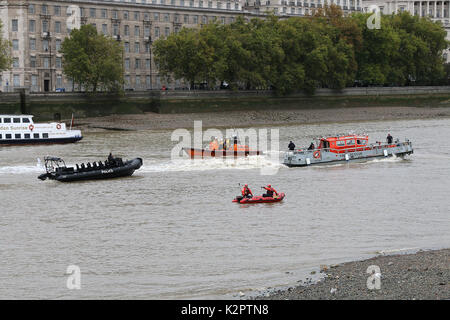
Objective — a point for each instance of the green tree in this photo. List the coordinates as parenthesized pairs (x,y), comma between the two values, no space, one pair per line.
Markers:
(5,49)
(92,60)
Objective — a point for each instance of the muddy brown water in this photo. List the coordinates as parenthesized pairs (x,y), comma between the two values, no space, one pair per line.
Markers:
(172,232)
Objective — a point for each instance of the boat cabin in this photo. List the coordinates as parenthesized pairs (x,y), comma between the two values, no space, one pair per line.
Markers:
(344,143)
(15,119)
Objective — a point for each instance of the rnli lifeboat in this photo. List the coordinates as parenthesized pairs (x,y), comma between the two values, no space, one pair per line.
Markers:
(344,149)
(222,149)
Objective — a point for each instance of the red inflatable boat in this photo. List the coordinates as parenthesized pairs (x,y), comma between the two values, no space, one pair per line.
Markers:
(259,199)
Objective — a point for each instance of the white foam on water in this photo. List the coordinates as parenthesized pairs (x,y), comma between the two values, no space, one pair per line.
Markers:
(20,169)
(187,164)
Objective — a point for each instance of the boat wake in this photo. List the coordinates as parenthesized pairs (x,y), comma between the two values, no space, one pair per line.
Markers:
(251,162)
(39,167)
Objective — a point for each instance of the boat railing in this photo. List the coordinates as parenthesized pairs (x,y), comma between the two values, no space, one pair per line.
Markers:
(355,148)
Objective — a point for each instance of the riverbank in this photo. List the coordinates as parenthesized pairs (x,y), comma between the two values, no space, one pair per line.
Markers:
(423,275)
(235,119)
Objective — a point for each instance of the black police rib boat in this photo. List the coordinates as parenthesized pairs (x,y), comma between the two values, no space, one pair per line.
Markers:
(112,168)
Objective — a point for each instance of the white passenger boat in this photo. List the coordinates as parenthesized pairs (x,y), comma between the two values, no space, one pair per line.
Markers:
(21,130)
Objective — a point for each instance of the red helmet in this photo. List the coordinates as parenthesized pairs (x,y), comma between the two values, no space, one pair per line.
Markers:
(269,185)
(246,185)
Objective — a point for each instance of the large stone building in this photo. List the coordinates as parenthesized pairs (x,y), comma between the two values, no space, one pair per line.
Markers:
(297,7)
(37,28)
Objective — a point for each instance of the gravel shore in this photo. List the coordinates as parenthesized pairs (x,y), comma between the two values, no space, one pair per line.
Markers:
(424,275)
(257,118)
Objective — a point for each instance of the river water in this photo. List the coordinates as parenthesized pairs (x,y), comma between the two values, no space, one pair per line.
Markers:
(172,232)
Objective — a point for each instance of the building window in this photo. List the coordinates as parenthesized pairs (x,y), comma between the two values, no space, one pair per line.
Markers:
(57,10)
(156,32)
(136,31)
(137,64)
(127,63)
(44,9)
(15,45)
(146,31)
(195,19)
(31,9)
(147,63)
(58,44)
(104,14)
(137,47)
(186,18)
(105,29)
(46,63)
(57,27)
(92,12)
(138,81)
(34,80)
(32,26)
(32,62)
(126,30)
(136,16)
(58,62)
(156,16)
(45,45)
(125,15)
(115,14)
(127,47)
(16,63)
(146,17)
(166,17)
(32,44)
(115,29)
(44,26)
(59,81)
(166,31)
(16,80)
(15,25)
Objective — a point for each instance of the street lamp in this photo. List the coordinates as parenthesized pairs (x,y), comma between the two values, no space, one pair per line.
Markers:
(49,39)
(123,69)
(149,42)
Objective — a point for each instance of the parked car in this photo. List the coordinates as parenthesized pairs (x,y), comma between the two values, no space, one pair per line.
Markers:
(60,90)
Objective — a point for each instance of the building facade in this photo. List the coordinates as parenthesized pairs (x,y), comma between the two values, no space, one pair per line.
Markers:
(297,7)
(37,29)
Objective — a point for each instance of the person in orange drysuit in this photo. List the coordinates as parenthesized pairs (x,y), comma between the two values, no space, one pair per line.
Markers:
(246,192)
(270,191)
(214,144)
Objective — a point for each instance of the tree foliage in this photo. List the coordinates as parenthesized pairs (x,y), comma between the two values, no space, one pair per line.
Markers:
(325,50)
(5,49)
(92,60)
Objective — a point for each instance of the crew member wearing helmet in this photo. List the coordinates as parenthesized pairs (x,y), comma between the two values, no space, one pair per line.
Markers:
(246,192)
(270,191)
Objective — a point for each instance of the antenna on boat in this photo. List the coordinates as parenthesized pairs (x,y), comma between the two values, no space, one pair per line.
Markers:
(71,123)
